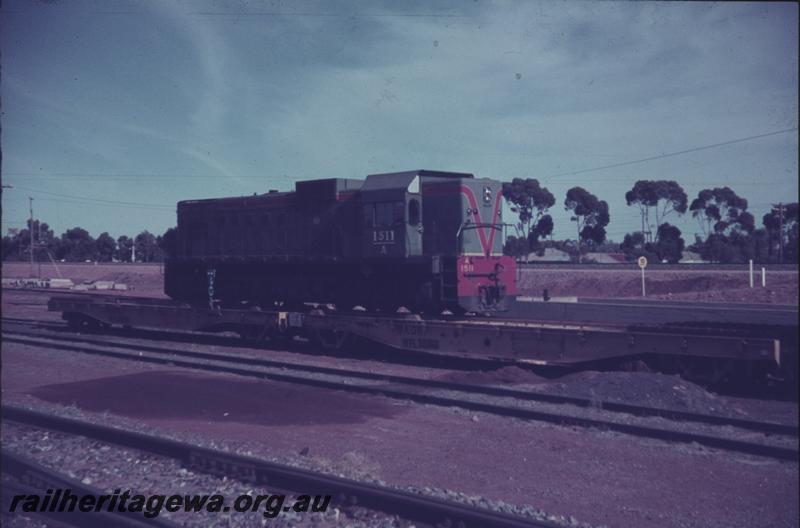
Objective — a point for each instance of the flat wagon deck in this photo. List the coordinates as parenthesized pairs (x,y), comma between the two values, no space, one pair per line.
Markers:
(573,338)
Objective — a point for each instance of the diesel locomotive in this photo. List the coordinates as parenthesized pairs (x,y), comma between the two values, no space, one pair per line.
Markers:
(424,240)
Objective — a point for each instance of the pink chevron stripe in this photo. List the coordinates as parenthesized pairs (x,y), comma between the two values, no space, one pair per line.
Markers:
(497,203)
(487,246)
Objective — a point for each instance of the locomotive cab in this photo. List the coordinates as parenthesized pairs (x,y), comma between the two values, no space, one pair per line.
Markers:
(392,216)
(436,237)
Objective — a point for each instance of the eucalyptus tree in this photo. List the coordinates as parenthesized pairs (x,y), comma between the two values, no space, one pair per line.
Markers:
(720,210)
(530,201)
(663,196)
(589,213)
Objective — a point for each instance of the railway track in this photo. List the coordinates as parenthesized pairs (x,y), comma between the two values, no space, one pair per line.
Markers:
(416,358)
(53,291)
(619,311)
(345,492)
(28,477)
(522,395)
(501,401)
(567,267)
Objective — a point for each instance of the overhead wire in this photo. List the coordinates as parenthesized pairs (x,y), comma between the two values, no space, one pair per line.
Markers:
(86,199)
(134,175)
(75,199)
(111,175)
(677,153)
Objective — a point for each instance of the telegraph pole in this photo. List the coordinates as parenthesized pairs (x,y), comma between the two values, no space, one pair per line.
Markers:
(780,232)
(30,229)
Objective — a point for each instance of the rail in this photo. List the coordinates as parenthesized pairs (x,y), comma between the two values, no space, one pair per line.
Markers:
(346,492)
(523,395)
(514,411)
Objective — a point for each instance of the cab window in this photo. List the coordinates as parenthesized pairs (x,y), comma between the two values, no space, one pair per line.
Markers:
(413,212)
(369,215)
(383,214)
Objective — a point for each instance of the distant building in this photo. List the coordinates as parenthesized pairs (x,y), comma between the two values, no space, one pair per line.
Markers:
(691,257)
(550,255)
(605,258)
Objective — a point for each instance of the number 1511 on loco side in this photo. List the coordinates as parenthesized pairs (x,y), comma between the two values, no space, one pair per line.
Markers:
(424,240)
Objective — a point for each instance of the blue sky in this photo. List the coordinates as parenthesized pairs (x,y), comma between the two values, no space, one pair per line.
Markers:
(112,111)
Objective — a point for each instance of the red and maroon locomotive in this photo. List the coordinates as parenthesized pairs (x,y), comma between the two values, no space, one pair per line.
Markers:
(424,240)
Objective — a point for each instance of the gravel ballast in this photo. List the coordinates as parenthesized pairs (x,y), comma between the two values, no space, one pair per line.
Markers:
(595,477)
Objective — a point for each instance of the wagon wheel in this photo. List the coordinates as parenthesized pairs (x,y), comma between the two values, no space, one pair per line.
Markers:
(252,333)
(77,321)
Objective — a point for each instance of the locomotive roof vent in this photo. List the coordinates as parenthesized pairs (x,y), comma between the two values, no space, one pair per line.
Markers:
(325,190)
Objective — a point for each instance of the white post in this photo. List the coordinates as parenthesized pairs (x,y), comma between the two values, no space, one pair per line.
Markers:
(751,273)
(30,229)
(763,277)
(643,293)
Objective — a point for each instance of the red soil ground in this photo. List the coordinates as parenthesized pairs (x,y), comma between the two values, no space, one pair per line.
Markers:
(683,285)
(599,477)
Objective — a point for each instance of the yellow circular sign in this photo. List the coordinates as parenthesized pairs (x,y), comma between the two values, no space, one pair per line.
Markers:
(643,262)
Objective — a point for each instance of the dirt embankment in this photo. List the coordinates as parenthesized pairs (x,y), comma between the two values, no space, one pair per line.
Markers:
(690,285)
(680,285)
(141,279)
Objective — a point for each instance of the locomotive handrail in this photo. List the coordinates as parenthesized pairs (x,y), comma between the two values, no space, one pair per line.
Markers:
(469,223)
(472,225)
(482,224)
